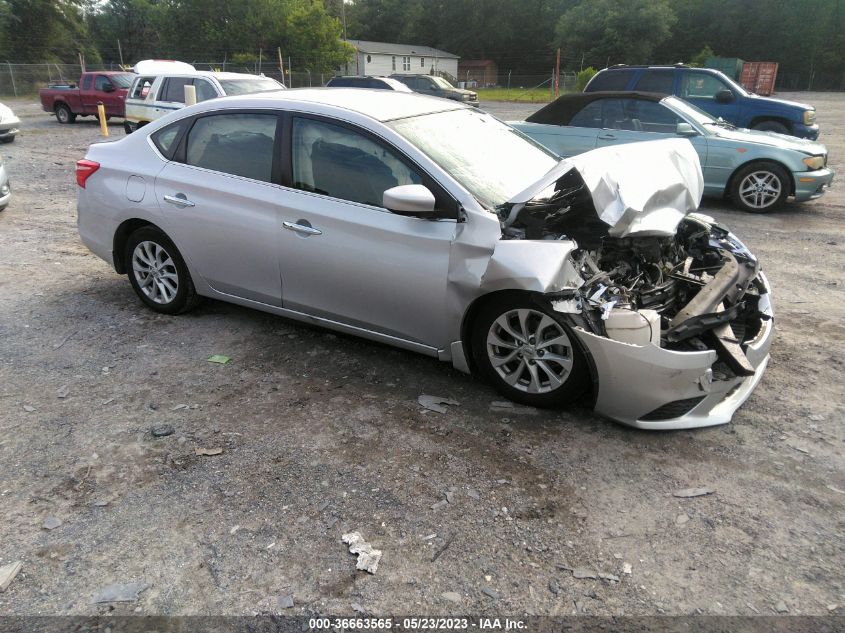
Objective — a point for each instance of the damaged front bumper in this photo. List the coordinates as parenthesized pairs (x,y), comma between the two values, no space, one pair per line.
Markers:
(649,387)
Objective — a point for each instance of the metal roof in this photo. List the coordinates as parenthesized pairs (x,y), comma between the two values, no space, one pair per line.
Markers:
(387,48)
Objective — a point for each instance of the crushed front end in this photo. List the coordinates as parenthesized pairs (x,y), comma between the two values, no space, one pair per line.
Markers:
(672,309)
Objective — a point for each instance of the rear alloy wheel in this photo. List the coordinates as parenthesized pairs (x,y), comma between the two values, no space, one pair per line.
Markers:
(527,354)
(63,114)
(760,187)
(158,273)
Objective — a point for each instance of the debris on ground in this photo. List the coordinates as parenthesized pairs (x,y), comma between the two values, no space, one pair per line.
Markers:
(439,505)
(28,408)
(435,403)
(687,493)
(503,406)
(8,573)
(781,607)
(208,452)
(368,557)
(358,608)
(582,573)
(51,523)
(490,592)
(554,587)
(286,601)
(119,593)
(220,359)
(451,596)
(681,519)
(627,569)
(162,430)
(609,577)
(180,407)
(63,392)
(842,492)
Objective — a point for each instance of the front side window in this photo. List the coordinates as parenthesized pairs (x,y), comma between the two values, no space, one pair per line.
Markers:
(406,63)
(237,144)
(488,158)
(102,83)
(701,85)
(174,89)
(205,90)
(336,161)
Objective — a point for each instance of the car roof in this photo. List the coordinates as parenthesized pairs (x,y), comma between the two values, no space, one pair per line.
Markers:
(382,105)
(561,110)
(206,73)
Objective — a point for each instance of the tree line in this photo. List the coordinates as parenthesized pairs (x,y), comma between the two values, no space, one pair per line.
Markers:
(806,36)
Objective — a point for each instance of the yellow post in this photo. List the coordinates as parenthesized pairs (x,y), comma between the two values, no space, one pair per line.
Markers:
(101,114)
(190,95)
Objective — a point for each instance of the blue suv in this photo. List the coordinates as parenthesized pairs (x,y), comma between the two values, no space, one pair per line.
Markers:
(714,93)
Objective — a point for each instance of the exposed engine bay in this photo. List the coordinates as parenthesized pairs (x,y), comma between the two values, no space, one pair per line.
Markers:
(691,288)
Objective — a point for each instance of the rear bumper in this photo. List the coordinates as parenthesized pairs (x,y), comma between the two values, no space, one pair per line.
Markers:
(637,380)
(810,185)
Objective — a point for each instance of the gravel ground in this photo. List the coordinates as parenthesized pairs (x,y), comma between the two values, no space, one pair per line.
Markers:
(476,510)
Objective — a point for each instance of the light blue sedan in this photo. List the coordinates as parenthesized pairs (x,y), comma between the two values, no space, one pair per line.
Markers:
(757,170)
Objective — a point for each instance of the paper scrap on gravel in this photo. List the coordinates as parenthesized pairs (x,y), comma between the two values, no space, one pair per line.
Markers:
(119,593)
(368,557)
(209,452)
(8,573)
(687,493)
(219,359)
(435,403)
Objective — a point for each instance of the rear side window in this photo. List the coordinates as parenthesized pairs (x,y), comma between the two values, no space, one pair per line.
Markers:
(205,90)
(174,89)
(589,116)
(167,139)
(141,87)
(237,144)
(662,81)
(610,80)
(86,82)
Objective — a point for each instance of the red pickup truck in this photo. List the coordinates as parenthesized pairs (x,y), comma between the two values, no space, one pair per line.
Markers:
(68,101)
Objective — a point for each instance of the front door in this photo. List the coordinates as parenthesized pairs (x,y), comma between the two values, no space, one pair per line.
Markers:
(343,256)
(220,206)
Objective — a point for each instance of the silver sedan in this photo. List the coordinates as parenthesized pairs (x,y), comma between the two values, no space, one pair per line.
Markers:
(434,227)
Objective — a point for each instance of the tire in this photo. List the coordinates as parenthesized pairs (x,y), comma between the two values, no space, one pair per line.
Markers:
(11,139)
(772,126)
(63,114)
(536,374)
(127,127)
(760,187)
(158,273)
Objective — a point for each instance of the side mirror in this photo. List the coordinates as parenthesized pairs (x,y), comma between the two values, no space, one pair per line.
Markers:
(108,88)
(724,96)
(412,199)
(685,129)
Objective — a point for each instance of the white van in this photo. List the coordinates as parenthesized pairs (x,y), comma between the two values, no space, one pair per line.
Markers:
(154,94)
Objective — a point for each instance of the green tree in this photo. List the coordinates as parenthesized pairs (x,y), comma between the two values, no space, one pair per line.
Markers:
(613,31)
(46,31)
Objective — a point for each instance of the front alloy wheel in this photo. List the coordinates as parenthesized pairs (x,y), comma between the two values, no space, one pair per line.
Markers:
(529,355)
(760,187)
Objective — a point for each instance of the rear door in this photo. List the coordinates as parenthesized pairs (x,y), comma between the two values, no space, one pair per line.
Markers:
(220,202)
(346,258)
(171,95)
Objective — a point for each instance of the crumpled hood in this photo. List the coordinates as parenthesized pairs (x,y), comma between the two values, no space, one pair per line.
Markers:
(772,139)
(637,188)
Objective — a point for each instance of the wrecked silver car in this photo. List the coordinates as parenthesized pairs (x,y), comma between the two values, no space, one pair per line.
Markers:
(436,228)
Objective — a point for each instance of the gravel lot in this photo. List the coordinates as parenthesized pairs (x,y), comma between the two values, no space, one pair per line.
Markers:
(321,434)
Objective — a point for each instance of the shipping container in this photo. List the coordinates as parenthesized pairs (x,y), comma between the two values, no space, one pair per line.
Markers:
(730,66)
(759,77)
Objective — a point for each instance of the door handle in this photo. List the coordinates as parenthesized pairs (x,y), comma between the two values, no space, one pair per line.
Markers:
(179,200)
(301,228)
(607,136)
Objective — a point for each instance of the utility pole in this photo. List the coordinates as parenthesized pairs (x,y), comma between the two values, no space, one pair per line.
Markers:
(281,65)
(120,52)
(557,75)
(343,17)
(259,61)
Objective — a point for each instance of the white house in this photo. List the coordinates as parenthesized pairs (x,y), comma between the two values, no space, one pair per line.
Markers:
(382,58)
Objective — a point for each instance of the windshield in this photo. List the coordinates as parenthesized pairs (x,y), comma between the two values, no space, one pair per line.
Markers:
(442,83)
(491,160)
(234,87)
(123,80)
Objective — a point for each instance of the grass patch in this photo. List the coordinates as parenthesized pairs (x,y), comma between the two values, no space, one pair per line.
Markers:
(523,95)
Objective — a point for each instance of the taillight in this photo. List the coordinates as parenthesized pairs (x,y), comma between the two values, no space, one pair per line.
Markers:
(84,169)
